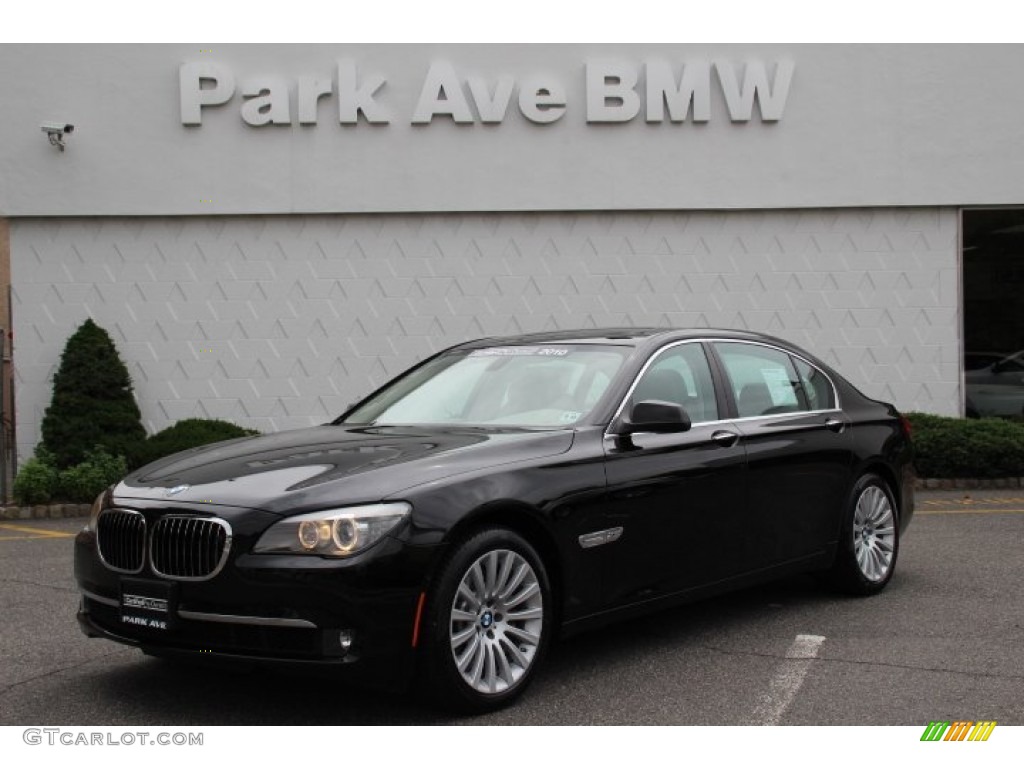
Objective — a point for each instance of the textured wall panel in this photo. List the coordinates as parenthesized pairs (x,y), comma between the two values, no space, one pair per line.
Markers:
(279,322)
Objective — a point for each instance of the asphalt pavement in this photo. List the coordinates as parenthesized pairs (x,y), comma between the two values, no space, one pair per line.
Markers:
(945,641)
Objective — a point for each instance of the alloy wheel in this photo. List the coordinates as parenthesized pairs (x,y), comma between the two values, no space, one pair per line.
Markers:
(874,533)
(497,618)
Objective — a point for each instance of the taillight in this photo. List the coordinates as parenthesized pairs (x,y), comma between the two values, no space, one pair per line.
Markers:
(907,428)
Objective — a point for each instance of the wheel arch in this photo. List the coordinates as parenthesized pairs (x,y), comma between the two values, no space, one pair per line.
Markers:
(524,520)
(847,571)
(873,466)
(884,471)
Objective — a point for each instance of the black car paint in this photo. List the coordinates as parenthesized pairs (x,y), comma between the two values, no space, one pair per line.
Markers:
(554,485)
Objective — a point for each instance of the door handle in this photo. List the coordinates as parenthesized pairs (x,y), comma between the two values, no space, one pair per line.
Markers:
(835,425)
(725,438)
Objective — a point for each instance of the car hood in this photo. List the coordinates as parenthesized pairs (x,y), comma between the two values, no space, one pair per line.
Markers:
(302,470)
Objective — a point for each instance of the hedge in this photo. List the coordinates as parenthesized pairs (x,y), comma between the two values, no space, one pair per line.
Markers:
(185,434)
(41,479)
(949,447)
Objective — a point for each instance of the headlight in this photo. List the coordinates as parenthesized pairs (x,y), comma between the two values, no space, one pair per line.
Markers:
(333,532)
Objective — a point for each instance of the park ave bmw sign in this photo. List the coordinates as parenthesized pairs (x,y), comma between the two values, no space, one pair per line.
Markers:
(616,91)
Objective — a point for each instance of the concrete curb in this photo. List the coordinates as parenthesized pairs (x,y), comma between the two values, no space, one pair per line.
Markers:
(45,511)
(967,483)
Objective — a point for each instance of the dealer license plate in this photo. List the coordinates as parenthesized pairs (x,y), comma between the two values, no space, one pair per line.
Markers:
(148,604)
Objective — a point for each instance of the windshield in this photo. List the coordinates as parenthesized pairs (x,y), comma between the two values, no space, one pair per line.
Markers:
(529,386)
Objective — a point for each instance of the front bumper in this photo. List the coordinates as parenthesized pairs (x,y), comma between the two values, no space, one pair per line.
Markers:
(287,609)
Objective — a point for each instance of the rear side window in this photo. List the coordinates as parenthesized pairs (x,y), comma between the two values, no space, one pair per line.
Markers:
(817,387)
(764,381)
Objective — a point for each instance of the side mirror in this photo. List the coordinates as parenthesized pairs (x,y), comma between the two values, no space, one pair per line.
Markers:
(654,416)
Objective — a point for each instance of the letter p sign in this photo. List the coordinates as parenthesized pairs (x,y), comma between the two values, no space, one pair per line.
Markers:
(203,84)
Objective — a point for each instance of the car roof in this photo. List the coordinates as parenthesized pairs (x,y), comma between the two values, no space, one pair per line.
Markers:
(620,336)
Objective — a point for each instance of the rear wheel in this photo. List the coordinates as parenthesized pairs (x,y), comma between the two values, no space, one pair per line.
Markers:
(488,622)
(869,543)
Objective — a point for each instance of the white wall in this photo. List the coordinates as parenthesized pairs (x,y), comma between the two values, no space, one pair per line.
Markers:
(278,322)
(860,126)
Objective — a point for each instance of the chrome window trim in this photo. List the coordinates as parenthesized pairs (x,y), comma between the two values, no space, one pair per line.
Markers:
(223,558)
(744,419)
(145,538)
(256,621)
(790,414)
(712,340)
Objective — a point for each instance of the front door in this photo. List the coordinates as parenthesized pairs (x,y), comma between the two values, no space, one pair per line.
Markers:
(679,498)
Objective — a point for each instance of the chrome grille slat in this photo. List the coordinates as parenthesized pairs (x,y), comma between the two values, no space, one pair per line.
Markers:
(184,546)
(118,530)
(121,539)
(202,556)
(174,563)
(189,548)
(193,540)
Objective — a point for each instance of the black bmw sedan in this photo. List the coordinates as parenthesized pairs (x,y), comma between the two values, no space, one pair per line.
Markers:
(500,493)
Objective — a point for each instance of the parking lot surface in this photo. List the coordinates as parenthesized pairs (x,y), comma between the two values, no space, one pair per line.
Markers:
(945,641)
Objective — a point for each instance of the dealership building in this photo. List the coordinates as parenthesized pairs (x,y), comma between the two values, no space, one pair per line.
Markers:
(270,231)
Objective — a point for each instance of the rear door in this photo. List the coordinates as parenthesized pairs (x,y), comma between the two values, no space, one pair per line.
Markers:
(798,449)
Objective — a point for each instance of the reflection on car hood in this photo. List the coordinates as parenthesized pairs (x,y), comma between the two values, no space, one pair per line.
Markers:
(299,470)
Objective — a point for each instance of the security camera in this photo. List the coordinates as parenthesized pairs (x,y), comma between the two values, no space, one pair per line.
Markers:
(56,132)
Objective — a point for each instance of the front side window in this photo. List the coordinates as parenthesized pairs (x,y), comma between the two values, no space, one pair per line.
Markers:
(763,380)
(680,375)
(552,385)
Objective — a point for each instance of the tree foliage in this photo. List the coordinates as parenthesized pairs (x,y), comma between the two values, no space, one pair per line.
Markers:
(92,402)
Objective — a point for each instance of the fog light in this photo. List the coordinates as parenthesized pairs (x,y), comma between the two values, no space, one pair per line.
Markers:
(345,640)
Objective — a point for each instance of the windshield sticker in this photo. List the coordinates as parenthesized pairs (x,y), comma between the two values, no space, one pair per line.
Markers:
(520,352)
(568,417)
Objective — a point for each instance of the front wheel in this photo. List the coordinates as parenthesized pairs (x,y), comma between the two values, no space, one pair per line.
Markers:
(488,622)
(870,538)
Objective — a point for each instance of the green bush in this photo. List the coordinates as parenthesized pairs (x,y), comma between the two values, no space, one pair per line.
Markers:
(92,401)
(188,433)
(84,482)
(947,447)
(39,481)
(35,483)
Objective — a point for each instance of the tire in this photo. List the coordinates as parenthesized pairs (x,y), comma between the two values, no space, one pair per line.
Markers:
(870,538)
(488,622)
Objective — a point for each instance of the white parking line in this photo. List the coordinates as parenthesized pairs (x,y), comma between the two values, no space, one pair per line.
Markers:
(788,679)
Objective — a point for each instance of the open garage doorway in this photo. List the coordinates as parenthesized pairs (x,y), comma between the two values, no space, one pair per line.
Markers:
(993,284)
